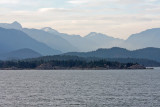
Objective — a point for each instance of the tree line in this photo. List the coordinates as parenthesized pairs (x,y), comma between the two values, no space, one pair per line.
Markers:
(69,64)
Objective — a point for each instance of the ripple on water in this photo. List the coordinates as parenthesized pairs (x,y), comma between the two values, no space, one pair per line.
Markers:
(115,88)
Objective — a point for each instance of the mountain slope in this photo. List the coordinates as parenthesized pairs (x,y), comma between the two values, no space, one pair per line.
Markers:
(148,38)
(90,42)
(77,41)
(11,40)
(20,54)
(93,41)
(52,40)
(146,53)
(103,41)
(80,42)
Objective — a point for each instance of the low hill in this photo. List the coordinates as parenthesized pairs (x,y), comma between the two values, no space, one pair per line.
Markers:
(146,53)
(20,54)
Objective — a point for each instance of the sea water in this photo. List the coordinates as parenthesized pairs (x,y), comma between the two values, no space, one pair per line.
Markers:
(82,88)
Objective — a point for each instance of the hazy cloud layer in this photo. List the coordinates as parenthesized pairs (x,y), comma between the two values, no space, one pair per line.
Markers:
(118,18)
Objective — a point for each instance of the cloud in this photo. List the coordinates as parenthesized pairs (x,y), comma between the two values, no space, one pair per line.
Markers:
(116,25)
(9,1)
(130,1)
(54,10)
(78,1)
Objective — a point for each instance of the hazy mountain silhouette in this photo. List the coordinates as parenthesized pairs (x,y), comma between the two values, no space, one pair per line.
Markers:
(52,40)
(146,53)
(90,42)
(103,41)
(93,41)
(81,43)
(50,30)
(11,39)
(14,25)
(20,54)
(77,41)
(148,38)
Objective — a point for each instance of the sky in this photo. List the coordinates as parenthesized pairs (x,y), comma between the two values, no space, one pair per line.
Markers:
(116,18)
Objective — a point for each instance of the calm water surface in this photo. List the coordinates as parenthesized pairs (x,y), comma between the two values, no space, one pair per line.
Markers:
(112,88)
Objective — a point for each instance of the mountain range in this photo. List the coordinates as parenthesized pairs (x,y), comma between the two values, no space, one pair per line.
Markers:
(92,41)
(11,40)
(48,41)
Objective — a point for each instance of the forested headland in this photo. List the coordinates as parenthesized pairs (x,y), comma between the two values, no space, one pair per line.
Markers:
(67,62)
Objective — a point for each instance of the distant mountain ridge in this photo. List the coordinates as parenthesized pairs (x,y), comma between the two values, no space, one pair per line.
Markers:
(146,53)
(17,42)
(77,41)
(92,41)
(52,40)
(148,38)
(11,39)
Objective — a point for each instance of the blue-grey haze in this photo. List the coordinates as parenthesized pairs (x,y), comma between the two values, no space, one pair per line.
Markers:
(47,41)
(11,40)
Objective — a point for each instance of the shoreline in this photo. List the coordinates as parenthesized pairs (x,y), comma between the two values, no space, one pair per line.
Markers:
(78,69)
